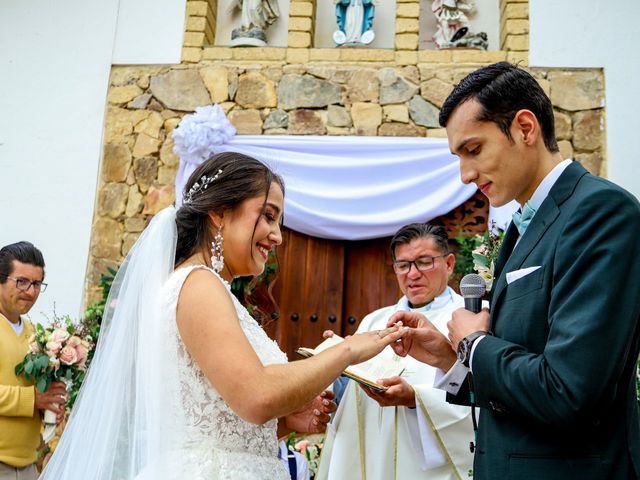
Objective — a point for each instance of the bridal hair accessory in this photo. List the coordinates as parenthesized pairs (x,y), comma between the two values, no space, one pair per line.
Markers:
(200,186)
(199,134)
(217,259)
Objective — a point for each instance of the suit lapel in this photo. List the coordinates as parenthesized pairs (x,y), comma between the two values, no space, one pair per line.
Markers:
(512,257)
(539,224)
(509,241)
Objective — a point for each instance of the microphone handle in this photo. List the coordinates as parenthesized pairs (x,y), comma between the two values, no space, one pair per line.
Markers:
(473,304)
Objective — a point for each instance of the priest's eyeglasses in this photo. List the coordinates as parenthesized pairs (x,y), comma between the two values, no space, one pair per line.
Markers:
(24,284)
(423,264)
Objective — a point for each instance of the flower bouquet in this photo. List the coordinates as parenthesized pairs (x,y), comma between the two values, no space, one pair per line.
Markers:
(310,446)
(56,353)
(480,252)
(485,255)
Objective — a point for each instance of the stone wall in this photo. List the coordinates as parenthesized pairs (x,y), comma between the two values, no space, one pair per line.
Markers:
(301,91)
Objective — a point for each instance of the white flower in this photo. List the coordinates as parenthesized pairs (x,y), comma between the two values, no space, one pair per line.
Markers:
(481,250)
(198,134)
(486,273)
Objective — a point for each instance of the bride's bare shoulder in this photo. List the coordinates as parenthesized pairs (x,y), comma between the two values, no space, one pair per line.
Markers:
(201,279)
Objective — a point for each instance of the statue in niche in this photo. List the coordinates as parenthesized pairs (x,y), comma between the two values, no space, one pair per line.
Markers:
(355,19)
(256,17)
(454,27)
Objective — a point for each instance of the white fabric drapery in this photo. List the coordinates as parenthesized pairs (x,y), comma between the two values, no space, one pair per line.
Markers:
(350,188)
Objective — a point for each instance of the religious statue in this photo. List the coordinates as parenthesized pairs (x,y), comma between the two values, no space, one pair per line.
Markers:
(257,15)
(355,19)
(453,25)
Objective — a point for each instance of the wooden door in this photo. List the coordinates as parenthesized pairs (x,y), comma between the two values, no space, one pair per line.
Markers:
(369,281)
(308,290)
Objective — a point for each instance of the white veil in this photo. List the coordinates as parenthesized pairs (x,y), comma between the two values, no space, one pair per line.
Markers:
(122,420)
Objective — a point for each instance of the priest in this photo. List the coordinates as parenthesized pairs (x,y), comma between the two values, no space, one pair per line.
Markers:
(409,430)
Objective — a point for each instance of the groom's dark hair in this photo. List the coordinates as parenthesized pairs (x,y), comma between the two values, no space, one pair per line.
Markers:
(236,178)
(502,89)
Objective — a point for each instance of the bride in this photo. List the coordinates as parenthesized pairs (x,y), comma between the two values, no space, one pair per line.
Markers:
(184,382)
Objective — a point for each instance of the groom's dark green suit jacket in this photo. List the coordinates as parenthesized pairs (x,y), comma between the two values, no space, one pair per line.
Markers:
(556,384)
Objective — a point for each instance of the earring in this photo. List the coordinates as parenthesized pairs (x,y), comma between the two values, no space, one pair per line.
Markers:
(217,259)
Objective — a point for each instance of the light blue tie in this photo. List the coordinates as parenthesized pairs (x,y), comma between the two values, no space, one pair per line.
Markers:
(522,219)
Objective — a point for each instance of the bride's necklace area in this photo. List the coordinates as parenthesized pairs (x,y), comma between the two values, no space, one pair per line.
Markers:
(199,259)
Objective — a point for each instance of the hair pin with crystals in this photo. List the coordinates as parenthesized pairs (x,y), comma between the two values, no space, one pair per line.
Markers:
(200,186)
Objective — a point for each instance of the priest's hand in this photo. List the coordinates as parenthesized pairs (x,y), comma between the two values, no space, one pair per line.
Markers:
(314,416)
(399,393)
(423,341)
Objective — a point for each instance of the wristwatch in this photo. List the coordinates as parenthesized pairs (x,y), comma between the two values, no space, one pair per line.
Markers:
(464,347)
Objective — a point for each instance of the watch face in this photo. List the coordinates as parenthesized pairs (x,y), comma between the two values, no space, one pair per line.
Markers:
(462,350)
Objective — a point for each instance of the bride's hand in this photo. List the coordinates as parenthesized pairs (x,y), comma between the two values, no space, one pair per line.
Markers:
(363,346)
(314,416)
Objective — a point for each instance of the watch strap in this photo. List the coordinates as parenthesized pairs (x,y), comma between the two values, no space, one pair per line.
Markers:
(464,348)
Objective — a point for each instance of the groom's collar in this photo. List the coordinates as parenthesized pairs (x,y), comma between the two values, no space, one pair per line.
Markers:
(542,192)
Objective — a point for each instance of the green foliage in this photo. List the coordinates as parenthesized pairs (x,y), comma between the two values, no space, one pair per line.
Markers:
(291,441)
(464,254)
(95,311)
(244,287)
(477,253)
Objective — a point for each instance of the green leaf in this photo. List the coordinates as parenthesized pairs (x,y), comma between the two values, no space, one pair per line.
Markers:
(291,440)
(42,362)
(19,368)
(42,384)
(481,260)
(28,368)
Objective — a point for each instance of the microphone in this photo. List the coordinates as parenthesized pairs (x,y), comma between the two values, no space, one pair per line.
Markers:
(472,288)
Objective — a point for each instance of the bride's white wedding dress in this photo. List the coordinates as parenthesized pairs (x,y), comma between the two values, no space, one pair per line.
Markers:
(145,410)
(218,444)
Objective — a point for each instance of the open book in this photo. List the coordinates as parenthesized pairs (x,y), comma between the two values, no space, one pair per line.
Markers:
(365,373)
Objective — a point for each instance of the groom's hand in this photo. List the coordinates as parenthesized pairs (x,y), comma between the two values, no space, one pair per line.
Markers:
(423,341)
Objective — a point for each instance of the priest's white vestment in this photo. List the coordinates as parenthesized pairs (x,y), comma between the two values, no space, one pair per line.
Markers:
(431,442)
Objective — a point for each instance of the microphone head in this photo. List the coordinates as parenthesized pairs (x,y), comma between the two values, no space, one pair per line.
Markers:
(472,285)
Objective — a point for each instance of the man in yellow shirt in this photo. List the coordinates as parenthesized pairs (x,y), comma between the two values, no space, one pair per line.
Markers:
(21,276)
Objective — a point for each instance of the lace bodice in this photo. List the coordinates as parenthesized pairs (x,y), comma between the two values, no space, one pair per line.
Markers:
(218,441)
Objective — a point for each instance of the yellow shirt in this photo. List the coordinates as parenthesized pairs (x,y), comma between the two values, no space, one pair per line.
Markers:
(19,420)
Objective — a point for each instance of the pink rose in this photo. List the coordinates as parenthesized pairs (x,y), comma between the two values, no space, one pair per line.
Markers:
(59,335)
(53,348)
(302,445)
(68,355)
(82,352)
(73,341)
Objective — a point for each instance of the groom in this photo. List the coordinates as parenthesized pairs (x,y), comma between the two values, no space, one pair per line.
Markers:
(554,363)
